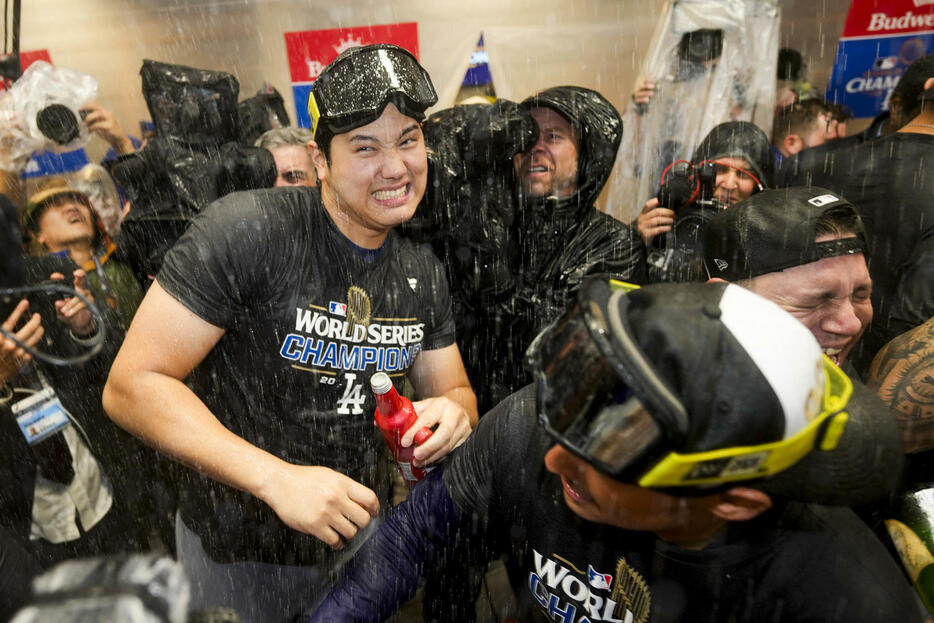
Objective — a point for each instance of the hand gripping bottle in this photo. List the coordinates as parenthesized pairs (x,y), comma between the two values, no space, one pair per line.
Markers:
(395,415)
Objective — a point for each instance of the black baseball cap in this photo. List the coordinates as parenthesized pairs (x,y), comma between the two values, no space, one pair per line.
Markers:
(776,229)
(694,387)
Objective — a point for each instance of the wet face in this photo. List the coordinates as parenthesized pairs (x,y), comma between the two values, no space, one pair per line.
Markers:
(733,182)
(550,168)
(830,297)
(66,221)
(375,178)
(294,166)
(597,497)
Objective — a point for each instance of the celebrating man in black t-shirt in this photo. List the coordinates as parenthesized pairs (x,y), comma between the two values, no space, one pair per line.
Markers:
(275,308)
(669,465)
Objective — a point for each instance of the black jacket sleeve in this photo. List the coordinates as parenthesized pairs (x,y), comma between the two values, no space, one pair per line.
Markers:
(390,567)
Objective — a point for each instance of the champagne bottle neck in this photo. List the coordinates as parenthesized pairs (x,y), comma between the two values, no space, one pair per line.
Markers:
(388,403)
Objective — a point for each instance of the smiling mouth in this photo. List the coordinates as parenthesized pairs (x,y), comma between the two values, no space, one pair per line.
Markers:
(538,169)
(833,353)
(388,195)
(572,491)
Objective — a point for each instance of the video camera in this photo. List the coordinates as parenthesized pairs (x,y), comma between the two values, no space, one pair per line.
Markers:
(688,189)
(195,157)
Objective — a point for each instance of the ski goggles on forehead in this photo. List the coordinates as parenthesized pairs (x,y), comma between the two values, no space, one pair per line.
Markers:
(584,399)
(622,418)
(353,91)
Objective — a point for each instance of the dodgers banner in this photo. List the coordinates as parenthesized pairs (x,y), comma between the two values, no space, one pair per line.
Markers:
(310,51)
(881,38)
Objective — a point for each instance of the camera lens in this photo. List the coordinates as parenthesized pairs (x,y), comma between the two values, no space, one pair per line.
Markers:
(58,122)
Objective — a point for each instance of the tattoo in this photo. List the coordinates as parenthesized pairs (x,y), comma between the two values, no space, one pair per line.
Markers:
(902,374)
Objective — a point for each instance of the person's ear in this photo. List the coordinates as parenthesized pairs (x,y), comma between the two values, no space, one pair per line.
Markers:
(740,504)
(792,144)
(318,159)
(928,84)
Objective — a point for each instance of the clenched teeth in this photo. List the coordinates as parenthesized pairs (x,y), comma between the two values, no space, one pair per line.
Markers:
(383,195)
(833,353)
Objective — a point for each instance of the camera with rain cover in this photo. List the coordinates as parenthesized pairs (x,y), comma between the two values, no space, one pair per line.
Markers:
(41,112)
(688,190)
(196,156)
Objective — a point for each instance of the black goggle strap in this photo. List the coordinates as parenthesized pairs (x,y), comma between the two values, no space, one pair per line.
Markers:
(583,403)
(587,401)
(667,404)
(750,462)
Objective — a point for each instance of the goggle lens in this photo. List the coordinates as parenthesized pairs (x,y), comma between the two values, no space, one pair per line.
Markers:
(360,85)
(583,402)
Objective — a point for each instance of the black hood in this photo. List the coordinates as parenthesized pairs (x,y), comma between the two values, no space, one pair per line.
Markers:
(739,139)
(600,128)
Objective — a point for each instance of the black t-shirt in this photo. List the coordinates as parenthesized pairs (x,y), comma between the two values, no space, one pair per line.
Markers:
(799,562)
(307,321)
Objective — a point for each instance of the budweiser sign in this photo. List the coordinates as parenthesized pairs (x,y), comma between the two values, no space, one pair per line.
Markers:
(880,22)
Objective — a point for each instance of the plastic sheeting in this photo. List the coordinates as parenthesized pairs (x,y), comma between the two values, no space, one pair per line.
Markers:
(694,96)
(40,86)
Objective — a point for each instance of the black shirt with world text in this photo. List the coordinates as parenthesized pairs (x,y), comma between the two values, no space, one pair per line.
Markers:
(307,320)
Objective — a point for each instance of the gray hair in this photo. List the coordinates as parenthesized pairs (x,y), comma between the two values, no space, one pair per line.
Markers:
(283,136)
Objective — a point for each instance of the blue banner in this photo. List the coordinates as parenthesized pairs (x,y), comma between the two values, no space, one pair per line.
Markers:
(45,163)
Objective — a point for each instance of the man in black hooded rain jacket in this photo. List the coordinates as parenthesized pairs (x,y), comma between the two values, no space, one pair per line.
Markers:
(673,230)
(517,240)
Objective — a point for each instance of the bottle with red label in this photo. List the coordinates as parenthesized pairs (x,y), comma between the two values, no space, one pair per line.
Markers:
(394,416)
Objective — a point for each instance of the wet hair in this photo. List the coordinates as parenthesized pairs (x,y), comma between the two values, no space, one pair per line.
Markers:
(839,221)
(280,137)
(911,85)
(798,118)
(31,220)
(839,112)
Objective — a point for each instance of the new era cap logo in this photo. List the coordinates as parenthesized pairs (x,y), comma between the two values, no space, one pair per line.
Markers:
(721,264)
(822,200)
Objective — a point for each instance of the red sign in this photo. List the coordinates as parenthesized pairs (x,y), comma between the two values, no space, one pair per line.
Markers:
(28,58)
(878,18)
(310,50)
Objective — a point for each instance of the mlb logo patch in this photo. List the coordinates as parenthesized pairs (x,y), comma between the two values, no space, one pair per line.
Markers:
(823,200)
(599,580)
(885,62)
(337,308)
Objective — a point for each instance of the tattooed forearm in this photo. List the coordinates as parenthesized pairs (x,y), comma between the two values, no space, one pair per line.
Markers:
(902,374)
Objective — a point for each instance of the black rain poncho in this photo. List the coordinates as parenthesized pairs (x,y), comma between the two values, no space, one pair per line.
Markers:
(514,263)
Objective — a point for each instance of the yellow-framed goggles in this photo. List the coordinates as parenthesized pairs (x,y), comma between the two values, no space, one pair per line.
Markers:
(609,414)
